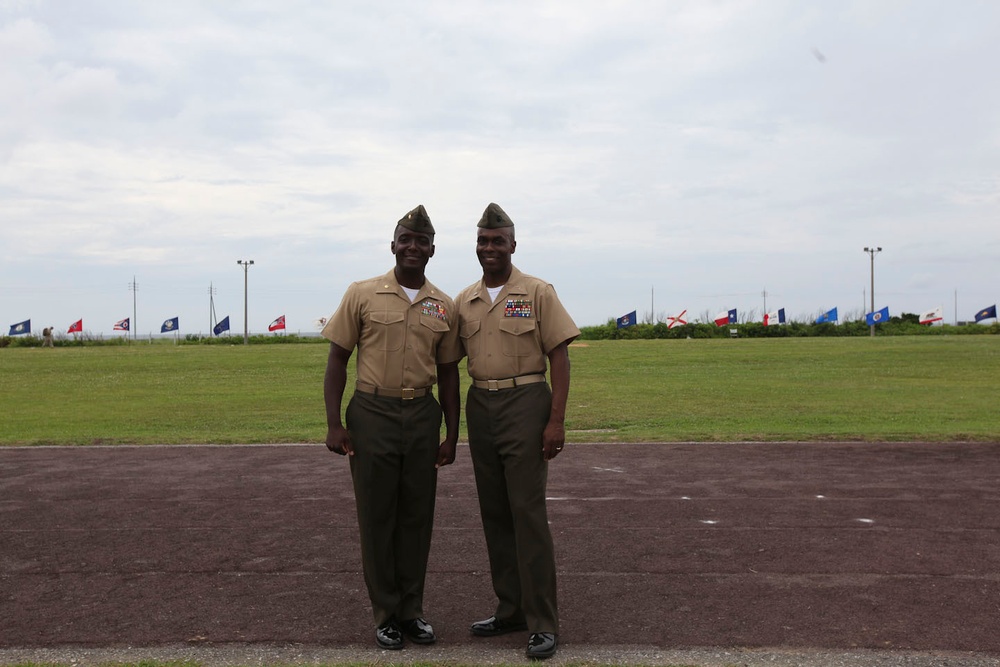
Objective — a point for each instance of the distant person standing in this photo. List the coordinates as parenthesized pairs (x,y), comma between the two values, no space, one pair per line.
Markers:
(47,337)
(510,323)
(406,333)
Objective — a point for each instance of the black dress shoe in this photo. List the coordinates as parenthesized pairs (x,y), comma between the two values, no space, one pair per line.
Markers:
(494,626)
(541,645)
(388,636)
(418,631)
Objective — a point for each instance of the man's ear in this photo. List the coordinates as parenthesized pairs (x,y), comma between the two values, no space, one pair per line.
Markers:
(432,251)
(392,247)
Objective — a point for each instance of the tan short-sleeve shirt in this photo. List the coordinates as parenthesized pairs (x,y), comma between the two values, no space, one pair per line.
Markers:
(399,342)
(512,335)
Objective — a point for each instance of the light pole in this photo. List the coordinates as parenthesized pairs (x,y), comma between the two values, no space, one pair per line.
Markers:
(246,264)
(872,252)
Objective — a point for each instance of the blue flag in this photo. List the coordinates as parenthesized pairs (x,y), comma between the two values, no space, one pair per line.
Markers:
(877,317)
(20,328)
(626,320)
(223,325)
(732,316)
(828,316)
(987,313)
(173,324)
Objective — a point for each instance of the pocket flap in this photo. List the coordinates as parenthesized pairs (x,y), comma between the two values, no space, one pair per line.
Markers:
(383,317)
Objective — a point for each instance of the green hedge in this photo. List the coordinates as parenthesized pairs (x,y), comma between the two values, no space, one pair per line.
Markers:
(904,325)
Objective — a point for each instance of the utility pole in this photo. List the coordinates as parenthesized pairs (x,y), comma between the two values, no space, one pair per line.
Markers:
(246,264)
(872,252)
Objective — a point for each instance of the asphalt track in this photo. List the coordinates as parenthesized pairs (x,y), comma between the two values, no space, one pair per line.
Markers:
(749,553)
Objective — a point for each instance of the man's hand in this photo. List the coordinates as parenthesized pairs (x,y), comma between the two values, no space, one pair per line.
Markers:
(339,440)
(553,439)
(446,454)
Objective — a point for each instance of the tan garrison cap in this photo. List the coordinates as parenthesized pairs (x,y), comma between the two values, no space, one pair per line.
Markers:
(494,217)
(417,220)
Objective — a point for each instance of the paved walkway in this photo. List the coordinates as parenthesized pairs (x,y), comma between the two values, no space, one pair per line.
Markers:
(752,553)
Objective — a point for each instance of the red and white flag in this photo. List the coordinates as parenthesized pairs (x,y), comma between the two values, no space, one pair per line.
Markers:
(932,316)
(677,320)
(277,324)
(76,327)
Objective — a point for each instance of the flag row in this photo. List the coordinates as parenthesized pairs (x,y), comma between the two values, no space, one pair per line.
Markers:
(171,325)
(778,317)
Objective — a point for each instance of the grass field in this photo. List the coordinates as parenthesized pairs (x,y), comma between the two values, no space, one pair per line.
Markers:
(887,388)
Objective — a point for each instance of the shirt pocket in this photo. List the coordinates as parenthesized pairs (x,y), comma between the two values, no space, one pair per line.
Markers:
(467,332)
(433,328)
(517,337)
(389,329)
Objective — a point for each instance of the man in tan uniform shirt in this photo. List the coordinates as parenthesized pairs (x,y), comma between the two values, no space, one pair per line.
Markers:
(510,324)
(405,330)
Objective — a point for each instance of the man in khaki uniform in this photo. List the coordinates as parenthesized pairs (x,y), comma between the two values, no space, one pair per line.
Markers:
(406,333)
(509,324)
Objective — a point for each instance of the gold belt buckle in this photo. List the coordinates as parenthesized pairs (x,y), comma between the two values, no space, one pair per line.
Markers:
(408,393)
(493,385)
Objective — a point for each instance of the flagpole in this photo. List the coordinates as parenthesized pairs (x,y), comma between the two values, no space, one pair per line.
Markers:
(211,310)
(135,320)
(872,252)
(245,263)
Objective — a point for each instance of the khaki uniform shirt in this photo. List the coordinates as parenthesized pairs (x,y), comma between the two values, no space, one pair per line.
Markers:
(512,335)
(399,343)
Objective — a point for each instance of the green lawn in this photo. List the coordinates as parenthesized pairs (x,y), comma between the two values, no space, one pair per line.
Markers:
(886,388)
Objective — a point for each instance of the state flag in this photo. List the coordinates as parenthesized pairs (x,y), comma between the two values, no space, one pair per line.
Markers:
(987,313)
(277,324)
(121,325)
(677,320)
(774,317)
(726,317)
(223,325)
(828,316)
(626,320)
(933,315)
(20,328)
(877,317)
(76,327)
(173,324)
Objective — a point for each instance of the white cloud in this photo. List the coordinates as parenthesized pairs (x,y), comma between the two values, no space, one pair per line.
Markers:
(701,149)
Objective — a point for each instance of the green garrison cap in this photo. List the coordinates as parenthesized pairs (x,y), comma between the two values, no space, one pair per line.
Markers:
(494,217)
(418,221)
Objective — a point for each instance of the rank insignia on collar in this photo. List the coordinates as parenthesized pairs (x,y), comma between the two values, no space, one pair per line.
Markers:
(433,309)
(517,308)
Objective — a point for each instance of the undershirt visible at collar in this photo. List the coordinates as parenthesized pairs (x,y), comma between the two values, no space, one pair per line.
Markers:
(493,292)
(410,292)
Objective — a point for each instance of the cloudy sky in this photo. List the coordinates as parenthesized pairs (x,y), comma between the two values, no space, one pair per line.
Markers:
(655,156)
